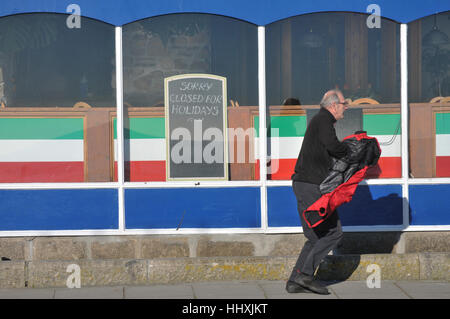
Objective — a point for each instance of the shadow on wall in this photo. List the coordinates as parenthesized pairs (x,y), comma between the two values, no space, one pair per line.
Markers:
(371,205)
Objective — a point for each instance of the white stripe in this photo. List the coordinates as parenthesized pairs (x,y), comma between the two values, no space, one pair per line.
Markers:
(442,144)
(143,149)
(154,149)
(282,147)
(285,147)
(41,151)
(393,149)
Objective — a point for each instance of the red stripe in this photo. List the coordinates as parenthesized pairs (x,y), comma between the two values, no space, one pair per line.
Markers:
(282,169)
(257,170)
(442,166)
(41,172)
(143,171)
(387,167)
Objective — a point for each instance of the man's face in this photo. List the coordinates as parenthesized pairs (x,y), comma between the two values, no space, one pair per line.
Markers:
(340,107)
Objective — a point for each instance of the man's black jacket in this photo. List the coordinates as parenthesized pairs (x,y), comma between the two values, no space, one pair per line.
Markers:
(319,146)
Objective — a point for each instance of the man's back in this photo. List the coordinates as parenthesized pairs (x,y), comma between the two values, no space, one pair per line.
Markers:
(319,144)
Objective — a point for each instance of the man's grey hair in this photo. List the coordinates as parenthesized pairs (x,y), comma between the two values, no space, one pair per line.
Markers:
(330,97)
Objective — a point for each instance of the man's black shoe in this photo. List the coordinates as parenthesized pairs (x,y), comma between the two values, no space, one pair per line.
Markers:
(309,283)
(292,287)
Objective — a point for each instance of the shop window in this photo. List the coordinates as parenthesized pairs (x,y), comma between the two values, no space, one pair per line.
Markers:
(57,99)
(311,54)
(429,96)
(157,49)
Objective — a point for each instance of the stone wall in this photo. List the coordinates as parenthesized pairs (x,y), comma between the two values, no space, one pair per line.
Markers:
(218,245)
(153,259)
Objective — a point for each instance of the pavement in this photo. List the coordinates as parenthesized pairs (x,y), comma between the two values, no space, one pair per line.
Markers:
(267,289)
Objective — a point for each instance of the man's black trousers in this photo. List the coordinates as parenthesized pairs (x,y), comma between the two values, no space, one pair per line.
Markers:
(320,239)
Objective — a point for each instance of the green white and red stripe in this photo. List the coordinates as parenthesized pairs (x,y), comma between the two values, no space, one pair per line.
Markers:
(387,129)
(41,150)
(291,130)
(442,144)
(145,146)
(145,149)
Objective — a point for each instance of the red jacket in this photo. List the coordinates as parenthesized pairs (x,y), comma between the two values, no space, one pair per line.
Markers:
(364,152)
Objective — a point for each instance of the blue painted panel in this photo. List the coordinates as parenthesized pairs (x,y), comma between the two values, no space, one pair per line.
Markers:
(429,204)
(72,209)
(260,12)
(282,207)
(371,205)
(374,205)
(193,208)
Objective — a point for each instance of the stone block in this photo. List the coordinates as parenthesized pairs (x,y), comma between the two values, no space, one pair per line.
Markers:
(12,248)
(165,247)
(339,268)
(434,266)
(12,274)
(209,248)
(288,245)
(114,272)
(113,248)
(418,242)
(211,269)
(55,248)
(356,267)
(92,273)
(368,243)
(392,266)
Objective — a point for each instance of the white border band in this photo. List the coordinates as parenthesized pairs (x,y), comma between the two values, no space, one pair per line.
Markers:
(120,128)
(262,123)
(404,119)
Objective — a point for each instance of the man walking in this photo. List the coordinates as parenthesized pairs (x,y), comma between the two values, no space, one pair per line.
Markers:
(319,145)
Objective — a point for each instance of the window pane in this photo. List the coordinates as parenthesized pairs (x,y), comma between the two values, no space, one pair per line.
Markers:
(158,48)
(311,54)
(429,96)
(57,96)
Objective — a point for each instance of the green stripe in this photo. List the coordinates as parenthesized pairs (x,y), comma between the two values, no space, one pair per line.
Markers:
(41,128)
(382,124)
(143,127)
(290,125)
(374,124)
(442,123)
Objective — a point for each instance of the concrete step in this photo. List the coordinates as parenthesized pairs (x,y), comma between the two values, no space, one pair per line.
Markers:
(212,245)
(126,272)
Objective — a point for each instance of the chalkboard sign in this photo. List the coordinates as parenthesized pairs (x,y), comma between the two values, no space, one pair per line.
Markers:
(196,122)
